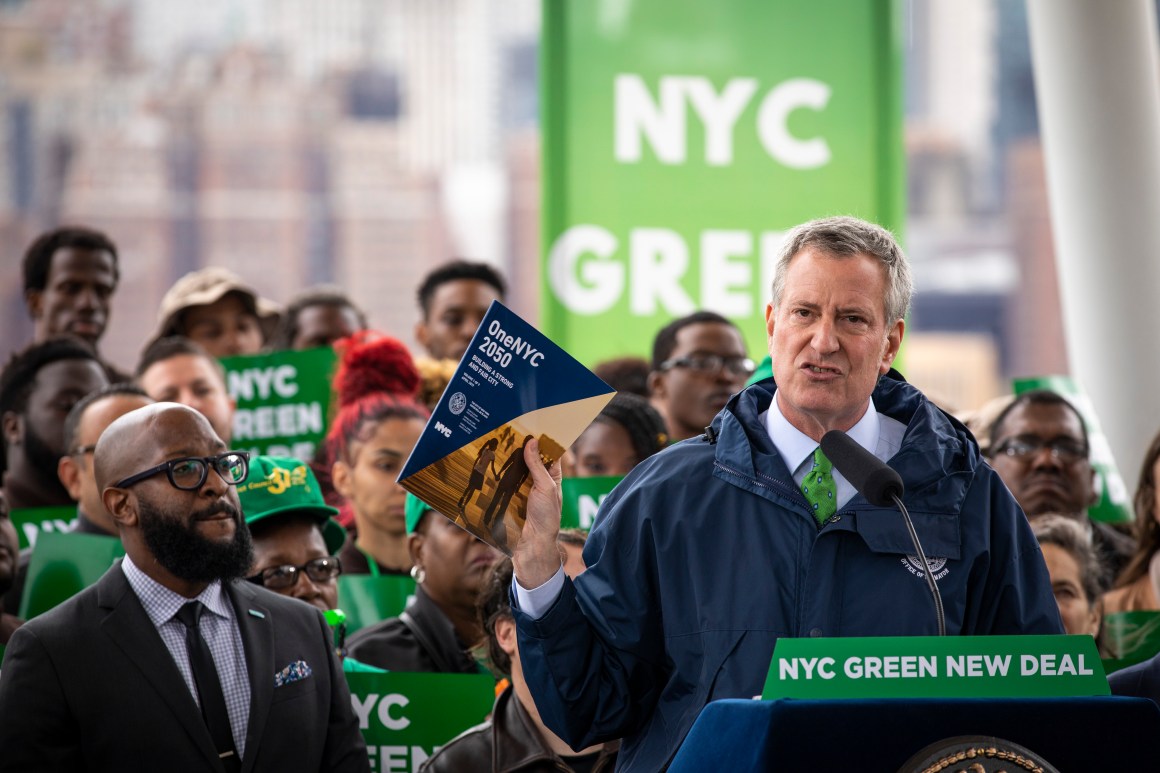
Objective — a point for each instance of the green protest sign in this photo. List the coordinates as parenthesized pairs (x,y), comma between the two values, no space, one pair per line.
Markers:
(681,140)
(936,667)
(30,522)
(406,717)
(1130,638)
(283,399)
(367,600)
(1114,504)
(63,565)
(582,498)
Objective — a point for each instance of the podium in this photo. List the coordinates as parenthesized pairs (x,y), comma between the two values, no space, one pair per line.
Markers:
(873,704)
(1094,733)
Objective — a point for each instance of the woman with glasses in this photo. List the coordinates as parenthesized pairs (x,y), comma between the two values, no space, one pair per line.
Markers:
(295,539)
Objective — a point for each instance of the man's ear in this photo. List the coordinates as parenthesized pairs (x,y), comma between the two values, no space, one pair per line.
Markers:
(34,300)
(893,343)
(70,476)
(13,427)
(505,634)
(121,505)
(422,335)
(1095,487)
(656,384)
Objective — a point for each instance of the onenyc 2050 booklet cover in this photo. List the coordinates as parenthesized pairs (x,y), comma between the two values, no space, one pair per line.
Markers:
(513,384)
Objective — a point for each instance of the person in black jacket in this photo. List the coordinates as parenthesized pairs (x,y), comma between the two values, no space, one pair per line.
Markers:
(438,627)
(513,738)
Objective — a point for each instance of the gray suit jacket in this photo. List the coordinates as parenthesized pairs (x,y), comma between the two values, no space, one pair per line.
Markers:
(91,686)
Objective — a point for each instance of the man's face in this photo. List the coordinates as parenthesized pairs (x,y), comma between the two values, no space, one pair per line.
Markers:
(9,547)
(829,339)
(689,396)
(224,328)
(197,536)
(323,324)
(195,381)
(457,307)
(59,385)
(75,298)
(76,466)
(1049,471)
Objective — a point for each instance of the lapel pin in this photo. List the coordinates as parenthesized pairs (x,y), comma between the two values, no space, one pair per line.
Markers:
(257,614)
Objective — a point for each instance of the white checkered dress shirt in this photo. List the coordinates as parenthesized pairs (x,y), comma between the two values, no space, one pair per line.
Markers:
(220,631)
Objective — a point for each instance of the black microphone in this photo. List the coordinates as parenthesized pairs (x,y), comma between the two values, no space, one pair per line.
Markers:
(876,481)
(881,486)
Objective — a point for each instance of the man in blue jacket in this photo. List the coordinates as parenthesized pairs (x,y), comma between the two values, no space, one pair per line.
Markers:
(711,550)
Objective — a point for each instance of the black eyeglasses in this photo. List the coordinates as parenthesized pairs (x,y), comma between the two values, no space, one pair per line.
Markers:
(283,577)
(82,450)
(712,363)
(1063,449)
(189,472)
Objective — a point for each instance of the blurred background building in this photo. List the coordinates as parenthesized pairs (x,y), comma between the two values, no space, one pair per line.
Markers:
(362,142)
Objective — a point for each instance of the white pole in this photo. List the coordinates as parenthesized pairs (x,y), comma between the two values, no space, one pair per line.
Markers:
(1097,78)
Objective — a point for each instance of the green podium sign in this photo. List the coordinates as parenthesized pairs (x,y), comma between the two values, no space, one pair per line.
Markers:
(936,667)
(405,717)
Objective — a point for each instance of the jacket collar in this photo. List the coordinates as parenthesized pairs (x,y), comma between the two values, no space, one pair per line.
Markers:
(517,744)
(938,454)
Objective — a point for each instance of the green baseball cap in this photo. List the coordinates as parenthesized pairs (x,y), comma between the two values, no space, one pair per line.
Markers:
(414,510)
(281,484)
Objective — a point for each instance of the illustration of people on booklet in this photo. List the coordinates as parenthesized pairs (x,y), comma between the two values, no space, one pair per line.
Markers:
(484,460)
(511,476)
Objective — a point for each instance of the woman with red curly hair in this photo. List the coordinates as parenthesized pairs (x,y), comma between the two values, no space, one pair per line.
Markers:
(378,423)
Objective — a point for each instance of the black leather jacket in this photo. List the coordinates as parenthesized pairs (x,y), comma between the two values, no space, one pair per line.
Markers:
(420,639)
(506,743)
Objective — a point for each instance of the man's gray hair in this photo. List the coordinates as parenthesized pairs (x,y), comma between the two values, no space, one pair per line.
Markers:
(849,236)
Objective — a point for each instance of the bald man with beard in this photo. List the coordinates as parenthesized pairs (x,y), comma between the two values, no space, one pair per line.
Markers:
(119,674)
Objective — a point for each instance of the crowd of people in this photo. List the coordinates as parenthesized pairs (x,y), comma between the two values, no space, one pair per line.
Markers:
(145,457)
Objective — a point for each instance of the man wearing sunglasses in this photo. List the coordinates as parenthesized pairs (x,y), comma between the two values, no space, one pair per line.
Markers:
(169,661)
(1039,447)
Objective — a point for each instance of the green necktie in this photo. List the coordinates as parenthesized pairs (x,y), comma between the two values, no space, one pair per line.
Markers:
(819,488)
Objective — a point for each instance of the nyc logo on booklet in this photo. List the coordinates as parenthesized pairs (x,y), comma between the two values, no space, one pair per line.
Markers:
(513,384)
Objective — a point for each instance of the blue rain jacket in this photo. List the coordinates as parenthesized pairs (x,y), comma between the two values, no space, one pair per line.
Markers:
(707,553)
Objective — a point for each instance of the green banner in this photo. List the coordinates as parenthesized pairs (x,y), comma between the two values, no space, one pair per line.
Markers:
(63,565)
(681,140)
(936,667)
(283,400)
(582,499)
(367,600)
(30,522)
(1115,503)
(405,718)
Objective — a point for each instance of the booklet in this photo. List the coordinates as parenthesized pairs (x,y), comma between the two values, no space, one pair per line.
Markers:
(513,384)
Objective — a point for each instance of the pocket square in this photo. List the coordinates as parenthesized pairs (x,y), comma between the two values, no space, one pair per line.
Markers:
(299,669)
